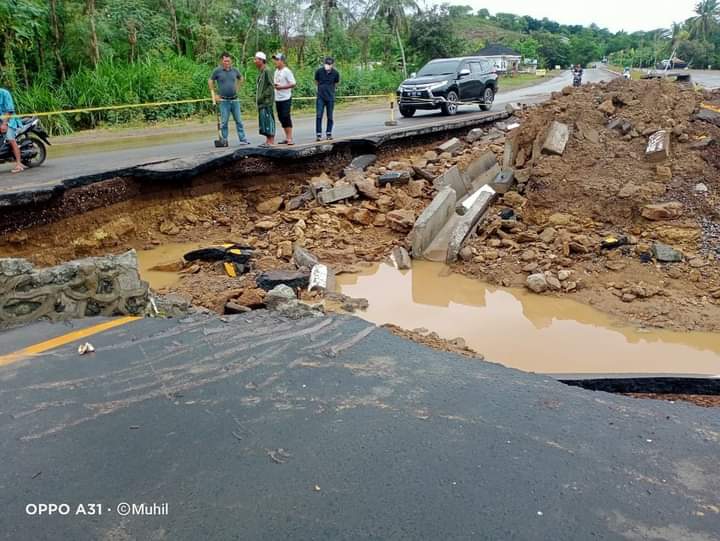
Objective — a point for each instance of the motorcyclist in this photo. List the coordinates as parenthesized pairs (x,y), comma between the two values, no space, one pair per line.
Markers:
(9,126)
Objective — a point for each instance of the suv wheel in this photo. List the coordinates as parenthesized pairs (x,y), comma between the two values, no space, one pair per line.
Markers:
(407,111)
(450,107)
(488,99)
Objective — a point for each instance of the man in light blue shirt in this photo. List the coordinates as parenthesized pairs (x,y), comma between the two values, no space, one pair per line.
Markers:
(10,125)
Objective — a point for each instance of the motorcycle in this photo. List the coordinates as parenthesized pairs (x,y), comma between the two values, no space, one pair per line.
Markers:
(32,140)
(577,78)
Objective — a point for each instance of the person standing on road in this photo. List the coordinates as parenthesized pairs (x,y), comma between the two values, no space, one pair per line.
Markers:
(9,126)
(326,78)
(284,83)
(265,98)
(227,80)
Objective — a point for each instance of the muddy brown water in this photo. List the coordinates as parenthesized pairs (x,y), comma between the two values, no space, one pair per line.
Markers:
(536,333)
(530,332)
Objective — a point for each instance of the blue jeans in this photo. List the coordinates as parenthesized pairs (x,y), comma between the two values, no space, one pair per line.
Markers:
(320,106)
(227,108)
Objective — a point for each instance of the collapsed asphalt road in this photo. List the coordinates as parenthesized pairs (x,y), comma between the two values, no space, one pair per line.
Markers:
(256,427)
(349,124)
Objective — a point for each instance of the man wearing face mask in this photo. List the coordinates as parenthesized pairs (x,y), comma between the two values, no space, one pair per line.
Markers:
(326,79)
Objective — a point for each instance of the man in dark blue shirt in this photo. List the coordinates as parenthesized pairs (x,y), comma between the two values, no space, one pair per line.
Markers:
(326,79)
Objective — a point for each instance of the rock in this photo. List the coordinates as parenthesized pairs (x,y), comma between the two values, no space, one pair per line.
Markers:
(361,216)
(320,183)
(401,220)
(385,204)
(270,206)
(615,265)
(298,310)
(548,235)
(564,275)
(528,255)
(401,257)
(285,249)
(466,253)
(514,200)
(169,228)
(475,135)
(299,201)
(451,146)
(666,254)
(697,263)
(620,124)
(338,193)
(663,211)
(628,297)
(235,308)
(553,282)
(700,188)
(395,178)
(561,219)
(121,228)
(683,138)
(265,225)
(415,188)
(422,173)
(702,143)
(556,139)
(537,283)
(531,267)
(380,220)
(304,258)
(523,175)
(607,107)
(173,266)
(367,187)
(431,156)
(446,156)
(658,148)
(294,279)
(18,239)
(663,173)
(253,298)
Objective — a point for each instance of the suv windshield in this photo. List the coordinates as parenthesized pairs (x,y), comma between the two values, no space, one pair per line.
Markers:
(443,67)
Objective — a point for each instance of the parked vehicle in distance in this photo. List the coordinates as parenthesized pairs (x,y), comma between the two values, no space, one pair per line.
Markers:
(447,83)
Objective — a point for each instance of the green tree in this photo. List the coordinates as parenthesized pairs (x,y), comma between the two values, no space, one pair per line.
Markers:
(706,20)
(394,12)
(433,35)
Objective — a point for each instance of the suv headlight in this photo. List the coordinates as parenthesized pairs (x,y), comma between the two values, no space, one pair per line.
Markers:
(435,86)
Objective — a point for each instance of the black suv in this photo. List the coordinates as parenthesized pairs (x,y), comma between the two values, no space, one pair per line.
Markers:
(447,83)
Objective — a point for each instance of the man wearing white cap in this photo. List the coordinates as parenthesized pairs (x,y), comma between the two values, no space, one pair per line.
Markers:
(265,99)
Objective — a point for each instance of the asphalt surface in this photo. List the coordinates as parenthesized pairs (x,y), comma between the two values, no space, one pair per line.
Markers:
(255,427)
(349,124)
(707,78)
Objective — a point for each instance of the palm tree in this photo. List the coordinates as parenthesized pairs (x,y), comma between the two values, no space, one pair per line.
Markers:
(328,11)
(395,13)
(702,25)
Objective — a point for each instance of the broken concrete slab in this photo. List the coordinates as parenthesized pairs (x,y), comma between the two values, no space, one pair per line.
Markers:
(510,152)
(469,221)
(303,258)
(666,254)
(454,179)
(395,178)
(296,279)
(360,163)
(451,146)
(464,206)
(658,148)
(504,180)
(401,258)
(322,279)
(432,220)
(338,193)
(556,139)
(480,166)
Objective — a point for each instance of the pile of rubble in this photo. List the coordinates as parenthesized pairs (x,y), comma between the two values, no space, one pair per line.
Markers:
(617,201)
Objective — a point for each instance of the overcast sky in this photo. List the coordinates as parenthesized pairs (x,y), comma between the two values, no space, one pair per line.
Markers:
(630,15)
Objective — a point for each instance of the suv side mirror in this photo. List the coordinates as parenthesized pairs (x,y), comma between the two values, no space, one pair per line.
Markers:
(464,73)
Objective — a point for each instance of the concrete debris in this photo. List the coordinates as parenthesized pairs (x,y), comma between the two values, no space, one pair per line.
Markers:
(469,221)
(304,259)
(322,279)
(464,206)
(361,163)
(479,167)
(320,183)
(366,186)
(666,254)
(707,115)
(299,279)
(658,148)
(452,146)
(298,202)
(622,125)
(422,173)
(475,135)
(556,139)
(700,188)
(395,178)
(504,181)
(432,220)
(401,258)
(338,193)
(454,179)
(232,307)
(61,293)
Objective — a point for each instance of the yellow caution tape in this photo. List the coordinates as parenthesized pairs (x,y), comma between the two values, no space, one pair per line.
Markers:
(714,108)
(165,103)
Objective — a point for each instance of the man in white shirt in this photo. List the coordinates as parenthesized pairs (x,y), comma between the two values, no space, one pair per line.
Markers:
(284,83)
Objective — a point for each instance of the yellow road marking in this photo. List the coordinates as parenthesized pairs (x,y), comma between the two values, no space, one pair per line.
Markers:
(53,343)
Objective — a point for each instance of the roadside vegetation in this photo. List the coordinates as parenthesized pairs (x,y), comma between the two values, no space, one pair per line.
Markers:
(68,54)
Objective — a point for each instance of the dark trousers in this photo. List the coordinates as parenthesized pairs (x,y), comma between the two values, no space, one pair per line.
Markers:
(321,105)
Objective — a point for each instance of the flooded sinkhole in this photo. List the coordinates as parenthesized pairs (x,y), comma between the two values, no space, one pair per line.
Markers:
(526,331)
